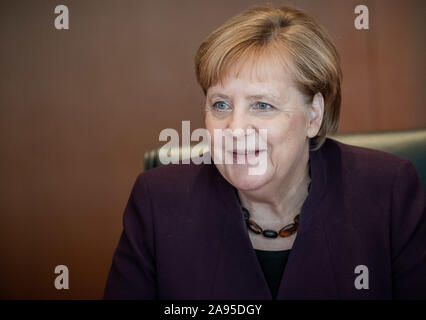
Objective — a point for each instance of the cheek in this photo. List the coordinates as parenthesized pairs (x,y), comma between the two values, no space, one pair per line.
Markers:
(210,126)
(287,134)
(208,121)
(212,123)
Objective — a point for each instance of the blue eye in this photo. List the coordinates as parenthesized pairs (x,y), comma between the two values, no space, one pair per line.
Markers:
(220,105)
(263,106)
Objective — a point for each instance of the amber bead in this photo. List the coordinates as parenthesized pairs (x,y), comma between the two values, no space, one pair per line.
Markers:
(253,226)
(288,230)
(270,233)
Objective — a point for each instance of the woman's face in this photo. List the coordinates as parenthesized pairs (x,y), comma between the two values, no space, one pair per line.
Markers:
(261,98)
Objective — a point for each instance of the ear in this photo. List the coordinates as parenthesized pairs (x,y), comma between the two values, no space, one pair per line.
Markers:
(315,115)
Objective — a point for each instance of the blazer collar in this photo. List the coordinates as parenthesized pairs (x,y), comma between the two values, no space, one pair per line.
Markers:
(238,274)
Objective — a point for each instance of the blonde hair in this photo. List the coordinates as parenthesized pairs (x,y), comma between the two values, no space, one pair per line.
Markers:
(289,33)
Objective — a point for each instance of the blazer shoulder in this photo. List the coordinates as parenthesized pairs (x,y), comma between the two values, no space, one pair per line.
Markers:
(178,181)
(365,161)
(366,170)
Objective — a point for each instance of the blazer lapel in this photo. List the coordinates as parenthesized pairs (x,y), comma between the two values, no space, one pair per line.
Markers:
(238,274)
(309,272)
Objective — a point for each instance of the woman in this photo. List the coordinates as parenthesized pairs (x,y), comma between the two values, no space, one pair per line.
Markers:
(324,220)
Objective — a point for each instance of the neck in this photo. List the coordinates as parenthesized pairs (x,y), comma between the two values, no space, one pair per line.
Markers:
(279,202)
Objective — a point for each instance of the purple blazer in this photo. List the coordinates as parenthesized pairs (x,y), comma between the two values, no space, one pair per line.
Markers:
(184,235)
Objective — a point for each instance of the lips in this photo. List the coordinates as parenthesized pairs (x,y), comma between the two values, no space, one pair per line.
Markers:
(246,152)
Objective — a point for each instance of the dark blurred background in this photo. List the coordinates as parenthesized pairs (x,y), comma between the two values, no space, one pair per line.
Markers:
(79,107)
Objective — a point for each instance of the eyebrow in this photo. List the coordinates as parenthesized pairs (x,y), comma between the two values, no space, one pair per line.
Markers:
(263,96)
(252,97)
(219,95)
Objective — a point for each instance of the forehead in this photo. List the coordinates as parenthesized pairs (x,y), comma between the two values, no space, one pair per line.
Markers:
(267,74)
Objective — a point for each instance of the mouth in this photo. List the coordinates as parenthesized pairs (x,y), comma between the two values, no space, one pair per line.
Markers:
(246,152)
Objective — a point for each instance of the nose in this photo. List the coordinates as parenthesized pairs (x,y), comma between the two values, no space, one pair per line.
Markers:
(238,123)
(240,130)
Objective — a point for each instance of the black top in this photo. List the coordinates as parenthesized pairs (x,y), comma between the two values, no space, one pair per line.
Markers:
(273,264)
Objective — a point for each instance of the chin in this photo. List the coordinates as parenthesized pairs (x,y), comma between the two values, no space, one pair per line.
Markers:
(241,180)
